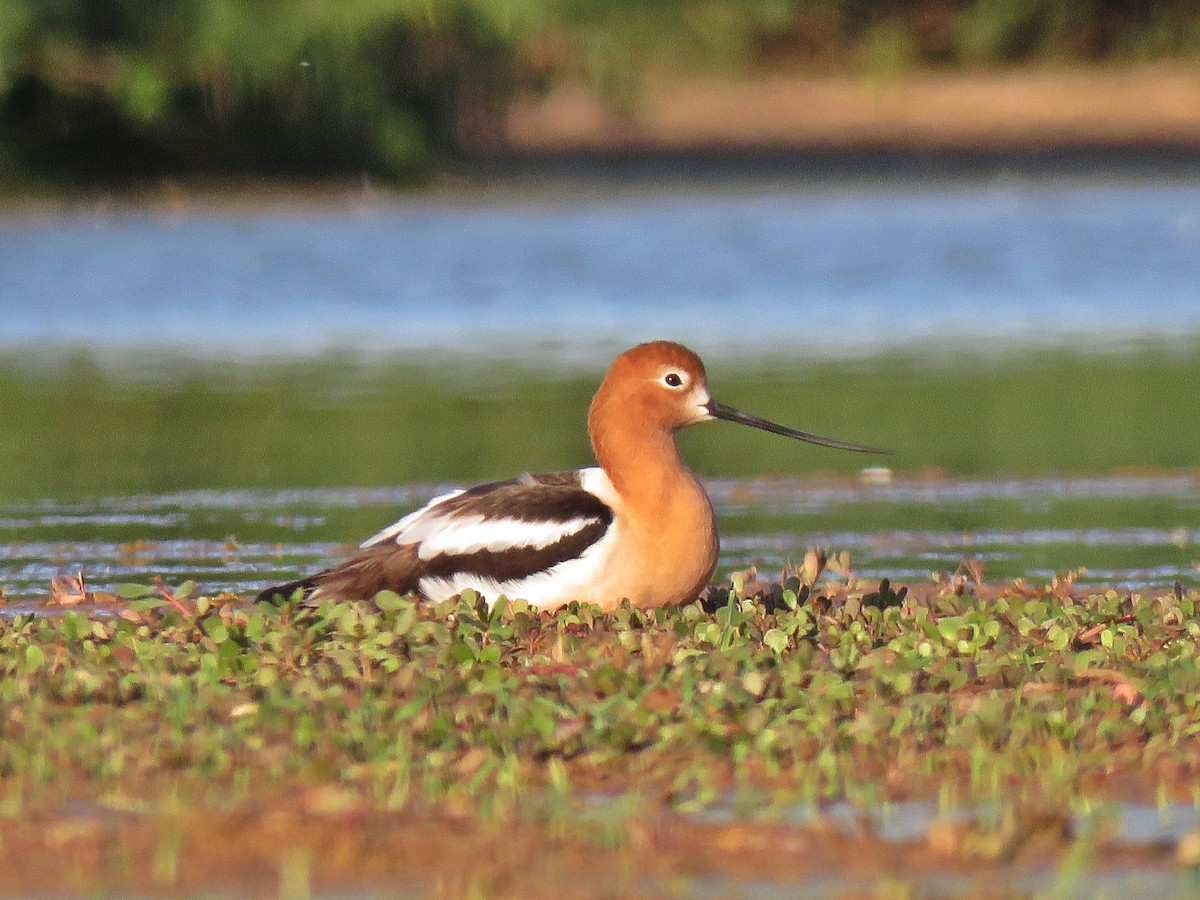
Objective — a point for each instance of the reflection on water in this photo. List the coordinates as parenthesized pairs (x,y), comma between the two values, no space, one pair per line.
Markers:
(1151,829)
(242,541)
(823,268)
(1163,884)
(1136,824)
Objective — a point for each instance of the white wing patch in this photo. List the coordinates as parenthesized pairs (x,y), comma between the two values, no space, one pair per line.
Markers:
(596,482)
(468,534)
(419,521)
(582,578)
(439,531)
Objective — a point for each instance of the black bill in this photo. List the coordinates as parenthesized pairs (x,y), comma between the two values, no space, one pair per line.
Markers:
(729,414)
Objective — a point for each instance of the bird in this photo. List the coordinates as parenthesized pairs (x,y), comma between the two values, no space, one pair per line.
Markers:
(637,527)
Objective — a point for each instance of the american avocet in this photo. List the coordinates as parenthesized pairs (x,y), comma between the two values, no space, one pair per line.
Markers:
(638,527)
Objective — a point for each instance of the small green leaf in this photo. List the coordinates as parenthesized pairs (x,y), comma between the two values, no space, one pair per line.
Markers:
(776,640)
(217,630)
(389,601)
(490,654)
(460,652)
(949,627)
(146,604)
(134,591)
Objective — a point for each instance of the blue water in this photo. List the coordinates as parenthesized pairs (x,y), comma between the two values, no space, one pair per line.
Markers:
(824,269)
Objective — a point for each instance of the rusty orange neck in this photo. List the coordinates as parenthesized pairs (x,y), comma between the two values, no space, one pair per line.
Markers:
(667,518)
(640,457)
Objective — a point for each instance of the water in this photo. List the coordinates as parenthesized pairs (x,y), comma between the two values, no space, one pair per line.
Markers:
(1126,826)
(1129,823)
(820,269)
(244,541)
(1018,528)
(150,474)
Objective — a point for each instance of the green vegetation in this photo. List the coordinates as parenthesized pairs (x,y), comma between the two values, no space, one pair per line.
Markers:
(77,429)
(184,743)
(170,741)
(195,730)
(124,89)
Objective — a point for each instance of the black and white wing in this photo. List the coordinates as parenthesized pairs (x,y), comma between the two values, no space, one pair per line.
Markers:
(537,537)
(497,537)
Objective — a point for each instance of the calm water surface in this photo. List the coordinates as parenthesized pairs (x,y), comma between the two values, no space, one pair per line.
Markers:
(828,269)
(243,541)
(816,269)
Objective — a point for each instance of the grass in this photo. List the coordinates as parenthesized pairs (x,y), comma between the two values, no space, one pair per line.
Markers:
(75,428)
(183,730)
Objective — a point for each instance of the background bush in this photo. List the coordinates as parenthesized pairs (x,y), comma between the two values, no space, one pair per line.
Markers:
(114,88)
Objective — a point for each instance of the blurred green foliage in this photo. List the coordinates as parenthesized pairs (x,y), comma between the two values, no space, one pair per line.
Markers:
(385,86)
(122,88)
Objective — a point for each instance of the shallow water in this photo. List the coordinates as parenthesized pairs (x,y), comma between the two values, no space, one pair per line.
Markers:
(1124,825)
(1139,882)
(243,541)
(1130,824)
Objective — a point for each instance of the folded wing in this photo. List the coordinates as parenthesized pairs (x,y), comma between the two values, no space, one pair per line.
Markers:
(492,537)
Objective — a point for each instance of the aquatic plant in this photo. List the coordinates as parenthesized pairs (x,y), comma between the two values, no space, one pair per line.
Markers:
(1016,697)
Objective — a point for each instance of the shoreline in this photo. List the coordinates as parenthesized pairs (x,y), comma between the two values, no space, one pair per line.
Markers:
(719,164)
(1128,122)
(1139,123)
(1034,110)
(508,176)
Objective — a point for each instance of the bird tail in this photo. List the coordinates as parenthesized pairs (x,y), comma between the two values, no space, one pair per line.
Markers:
(384,567)
(282,593)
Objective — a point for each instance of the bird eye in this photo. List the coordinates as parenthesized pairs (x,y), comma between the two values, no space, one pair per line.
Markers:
(671,379)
